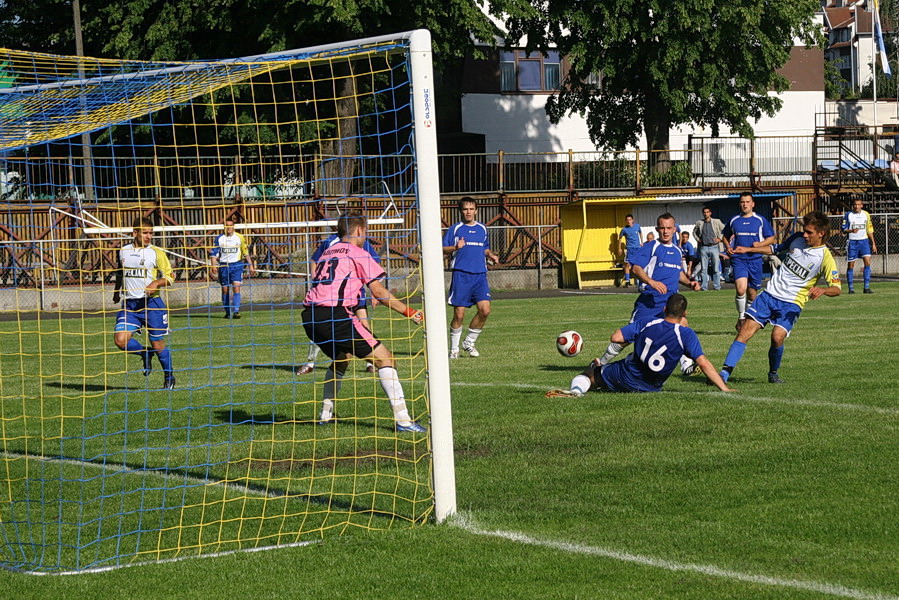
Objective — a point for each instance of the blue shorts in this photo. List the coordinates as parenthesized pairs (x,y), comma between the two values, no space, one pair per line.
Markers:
(144,312)
(645,310)
(768,309)
(858,249)
(629,254)
(467,289)
(749,269)
(230,273)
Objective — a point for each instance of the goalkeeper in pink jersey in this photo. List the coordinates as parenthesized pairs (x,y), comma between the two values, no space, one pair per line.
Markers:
(328,318)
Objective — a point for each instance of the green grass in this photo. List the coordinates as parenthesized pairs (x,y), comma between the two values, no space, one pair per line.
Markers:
(614,496)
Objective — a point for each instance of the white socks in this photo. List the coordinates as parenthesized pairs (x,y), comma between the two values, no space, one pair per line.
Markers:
(472,336)
(580,384)
(312,354)
(611,352)
(331,389)
(741,305)
(455,336)
(391,383)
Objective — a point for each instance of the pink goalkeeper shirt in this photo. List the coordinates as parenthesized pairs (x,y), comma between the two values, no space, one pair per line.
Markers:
(340,275)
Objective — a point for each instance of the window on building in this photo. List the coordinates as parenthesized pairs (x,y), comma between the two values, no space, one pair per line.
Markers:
(521,71)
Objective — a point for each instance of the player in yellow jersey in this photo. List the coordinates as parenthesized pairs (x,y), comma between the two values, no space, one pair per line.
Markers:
(143,269)
(857,226)
(807,261)
(229,255)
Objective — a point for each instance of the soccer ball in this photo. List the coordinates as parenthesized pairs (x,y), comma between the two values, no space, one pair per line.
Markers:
(569,343)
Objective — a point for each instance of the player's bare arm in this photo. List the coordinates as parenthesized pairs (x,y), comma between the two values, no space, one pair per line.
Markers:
(450,249)
(708,369)
(767,249)
(638,272)
(491,256)
(155,285)
(816,292)
(690,283)
(119,280)
(383,295)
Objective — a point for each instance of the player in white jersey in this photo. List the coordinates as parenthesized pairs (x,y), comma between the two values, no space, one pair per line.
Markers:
(230,253)
(857,226)
(807,261)
(143,269)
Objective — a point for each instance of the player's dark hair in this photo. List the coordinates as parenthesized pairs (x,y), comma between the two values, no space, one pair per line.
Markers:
(742,194)
(818,220)
(348,222)
(141,223)
(467,200)
(676,306)
(628,215)
(229,220)
(665,217)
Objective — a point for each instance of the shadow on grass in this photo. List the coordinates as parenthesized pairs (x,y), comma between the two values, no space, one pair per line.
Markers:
(274,367)
(573,368)
(91,387)
(242,417)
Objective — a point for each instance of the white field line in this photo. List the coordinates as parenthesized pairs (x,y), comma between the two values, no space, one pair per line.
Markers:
(465,523)
(725,396)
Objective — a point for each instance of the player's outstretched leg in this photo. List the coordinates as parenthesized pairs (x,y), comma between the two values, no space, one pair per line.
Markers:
(580,385)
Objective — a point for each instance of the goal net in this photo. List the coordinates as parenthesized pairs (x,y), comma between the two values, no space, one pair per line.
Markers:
(101,465)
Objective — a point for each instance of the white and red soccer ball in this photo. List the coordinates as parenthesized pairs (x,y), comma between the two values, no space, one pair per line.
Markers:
(569,343)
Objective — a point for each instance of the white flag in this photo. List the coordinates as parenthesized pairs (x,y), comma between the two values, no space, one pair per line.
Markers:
(881,48)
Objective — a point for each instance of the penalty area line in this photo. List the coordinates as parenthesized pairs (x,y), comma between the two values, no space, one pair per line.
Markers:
(466,524)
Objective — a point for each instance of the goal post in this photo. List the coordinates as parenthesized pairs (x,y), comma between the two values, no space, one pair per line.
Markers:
(103,463)
(432,273)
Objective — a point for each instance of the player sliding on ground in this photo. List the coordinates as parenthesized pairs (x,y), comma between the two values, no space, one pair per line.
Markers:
(143,269)
(328,318)
(807,261)
(658,348)
(657,266)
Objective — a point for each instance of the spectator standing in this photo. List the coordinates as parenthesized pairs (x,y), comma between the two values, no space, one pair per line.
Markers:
(709,232)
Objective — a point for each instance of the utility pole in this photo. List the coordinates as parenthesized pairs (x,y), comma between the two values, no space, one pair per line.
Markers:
(87,156)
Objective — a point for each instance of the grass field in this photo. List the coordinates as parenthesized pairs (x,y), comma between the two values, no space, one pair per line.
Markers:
(772,492)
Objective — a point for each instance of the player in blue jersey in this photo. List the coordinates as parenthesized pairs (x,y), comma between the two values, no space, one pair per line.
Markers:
(468,245)
(361,309)
(630,239)
(658,348)
(807,261)
(689,252)
(143,270)
(230,254)
(658,267)
(857,226)
(746,230)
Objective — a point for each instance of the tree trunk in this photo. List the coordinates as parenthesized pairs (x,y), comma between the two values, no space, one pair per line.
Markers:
(340,156)
(656,125)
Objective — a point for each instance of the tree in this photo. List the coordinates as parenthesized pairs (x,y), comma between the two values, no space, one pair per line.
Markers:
(668,62)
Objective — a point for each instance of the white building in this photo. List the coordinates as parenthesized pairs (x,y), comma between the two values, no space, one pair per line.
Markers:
(505,95)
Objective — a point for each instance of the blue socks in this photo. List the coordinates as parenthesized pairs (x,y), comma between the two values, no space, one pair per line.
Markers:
(165,359)
(775,355)
(134,346)
(236,305)
(867,277)
(850,276)
(226,302)
(734,354)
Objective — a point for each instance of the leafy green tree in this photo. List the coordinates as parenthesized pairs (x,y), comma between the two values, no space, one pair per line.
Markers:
(668,62)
